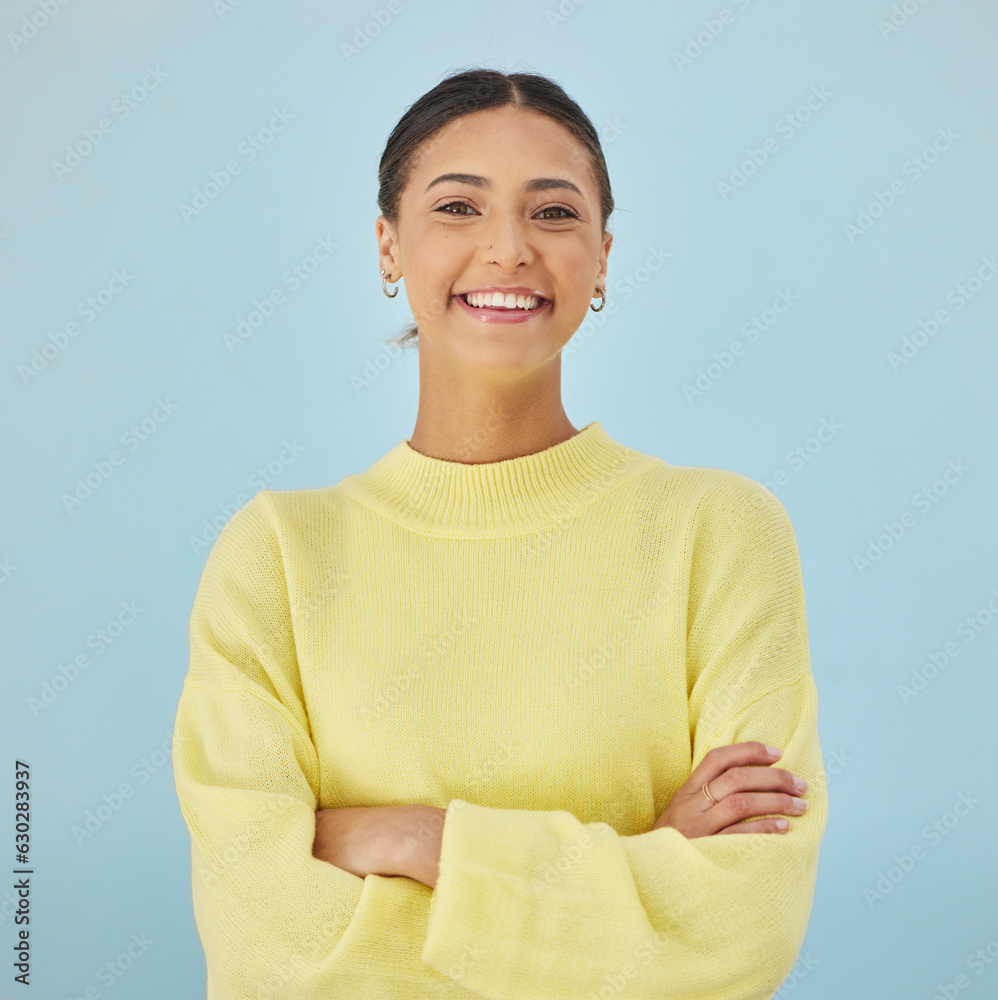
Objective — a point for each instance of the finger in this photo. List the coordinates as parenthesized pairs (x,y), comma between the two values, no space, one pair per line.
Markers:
(747,805)
(769,825)
(715,762)
(756,779)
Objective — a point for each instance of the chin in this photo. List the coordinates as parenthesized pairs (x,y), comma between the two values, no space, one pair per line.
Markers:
(499,350)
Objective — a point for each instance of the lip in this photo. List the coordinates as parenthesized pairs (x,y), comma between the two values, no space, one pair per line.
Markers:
(487,314)
(515,289)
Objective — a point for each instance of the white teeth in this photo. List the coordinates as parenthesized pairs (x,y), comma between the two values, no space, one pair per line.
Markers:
(504,300)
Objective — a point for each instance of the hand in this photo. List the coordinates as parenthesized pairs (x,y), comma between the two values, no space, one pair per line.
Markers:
(741,791)
(381,840)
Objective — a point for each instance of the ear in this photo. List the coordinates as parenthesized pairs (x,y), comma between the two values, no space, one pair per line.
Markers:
(387,252)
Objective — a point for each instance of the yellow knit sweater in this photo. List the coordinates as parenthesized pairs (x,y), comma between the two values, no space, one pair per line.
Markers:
(544,646)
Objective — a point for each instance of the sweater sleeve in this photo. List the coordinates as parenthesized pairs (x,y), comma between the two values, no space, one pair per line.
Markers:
(274,921)
(535,905)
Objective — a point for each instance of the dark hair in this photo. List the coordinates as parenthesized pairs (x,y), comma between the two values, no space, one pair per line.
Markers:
(473,90)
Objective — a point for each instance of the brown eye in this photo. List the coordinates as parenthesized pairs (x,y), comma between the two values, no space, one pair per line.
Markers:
(569,214)
(443,208)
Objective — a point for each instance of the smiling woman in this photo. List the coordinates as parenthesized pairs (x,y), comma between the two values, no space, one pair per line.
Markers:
(499,716)
(493,185)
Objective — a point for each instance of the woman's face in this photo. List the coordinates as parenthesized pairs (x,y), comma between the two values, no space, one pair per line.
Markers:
(527,189)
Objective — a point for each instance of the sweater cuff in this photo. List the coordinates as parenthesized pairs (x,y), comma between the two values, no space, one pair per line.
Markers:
(509,875)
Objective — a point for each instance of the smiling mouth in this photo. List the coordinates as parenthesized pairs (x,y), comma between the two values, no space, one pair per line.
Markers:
(524,303)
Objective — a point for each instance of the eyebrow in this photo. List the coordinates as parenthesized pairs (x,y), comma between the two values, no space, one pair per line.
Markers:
(537,184)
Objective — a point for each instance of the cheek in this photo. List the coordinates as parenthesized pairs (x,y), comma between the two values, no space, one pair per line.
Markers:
(576,262)
(437,268)
(429,287)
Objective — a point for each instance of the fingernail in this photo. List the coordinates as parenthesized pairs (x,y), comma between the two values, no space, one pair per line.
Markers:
(773,751)
(800,784)
(783,824)
(799,804)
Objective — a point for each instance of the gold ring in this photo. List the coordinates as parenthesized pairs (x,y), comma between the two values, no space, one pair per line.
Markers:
(706,792)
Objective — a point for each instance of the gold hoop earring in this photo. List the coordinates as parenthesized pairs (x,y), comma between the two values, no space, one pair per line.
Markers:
(384,287)
(602,295)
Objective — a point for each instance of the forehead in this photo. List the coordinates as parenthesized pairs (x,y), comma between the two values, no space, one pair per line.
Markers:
(507,140)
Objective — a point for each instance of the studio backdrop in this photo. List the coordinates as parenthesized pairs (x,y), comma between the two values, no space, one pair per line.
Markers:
(802,288)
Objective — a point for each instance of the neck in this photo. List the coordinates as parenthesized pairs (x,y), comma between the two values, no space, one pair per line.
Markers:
(475,423)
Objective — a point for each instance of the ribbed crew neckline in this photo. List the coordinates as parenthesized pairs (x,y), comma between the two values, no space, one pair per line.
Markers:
(512,496)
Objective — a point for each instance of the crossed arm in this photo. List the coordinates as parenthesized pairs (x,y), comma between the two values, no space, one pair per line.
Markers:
(406,839)
(382,840)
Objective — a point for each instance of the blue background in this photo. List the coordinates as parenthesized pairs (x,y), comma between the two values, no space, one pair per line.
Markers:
(319,374)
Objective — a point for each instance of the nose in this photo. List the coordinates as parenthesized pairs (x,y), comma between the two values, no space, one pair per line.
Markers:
(506,244)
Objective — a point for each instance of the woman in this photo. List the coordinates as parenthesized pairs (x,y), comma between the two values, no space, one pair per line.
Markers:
(496,717)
